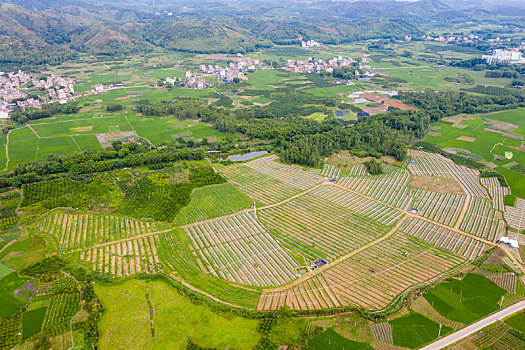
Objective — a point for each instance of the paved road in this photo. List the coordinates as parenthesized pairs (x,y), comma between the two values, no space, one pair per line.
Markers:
(465,332)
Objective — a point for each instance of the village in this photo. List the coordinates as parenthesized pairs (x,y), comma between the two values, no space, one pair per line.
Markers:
(14,86)
(317,65)
(234,72)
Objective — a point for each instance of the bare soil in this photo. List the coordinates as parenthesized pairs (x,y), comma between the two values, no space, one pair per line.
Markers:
(436,184)
(467,138)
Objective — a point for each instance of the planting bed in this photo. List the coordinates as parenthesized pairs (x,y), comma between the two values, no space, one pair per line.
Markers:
(79,231)
(239,249)
(430,164)
(371,278)
(123,258)
(390,188)
(461,245)
(483,221)
(319,228)
(441,207)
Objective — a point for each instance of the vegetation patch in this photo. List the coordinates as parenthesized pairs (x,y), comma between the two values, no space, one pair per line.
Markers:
(414,330)
(332,340)
(466,300)
(32,321)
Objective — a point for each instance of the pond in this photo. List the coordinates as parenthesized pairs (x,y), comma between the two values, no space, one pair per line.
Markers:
(245,156)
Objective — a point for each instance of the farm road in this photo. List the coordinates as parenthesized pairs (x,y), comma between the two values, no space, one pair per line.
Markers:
(465,332)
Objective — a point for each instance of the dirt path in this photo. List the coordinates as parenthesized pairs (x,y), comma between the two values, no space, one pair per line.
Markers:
(7,150)
(463,212)
(33,130)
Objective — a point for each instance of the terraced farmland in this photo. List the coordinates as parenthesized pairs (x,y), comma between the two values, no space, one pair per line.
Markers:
(497,193)
(515,216)
(213,201)
(123,258)
(240,250)
(483,221)
(292,175)
(262,188)
(459,244)
(430,164)
(268,181)
(358,204)
(391,188)
(358,170)
(441,207)
(78,231)
(331,171)
(319,228)
(371,278)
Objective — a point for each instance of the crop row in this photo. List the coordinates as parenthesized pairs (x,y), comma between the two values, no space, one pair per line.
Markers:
(77,231)
(429,164)
(515,216)
(239,249)
(371,278)
(124,258)
(441,207)
(507,280)
(483,221)
(318,228)
(358,170)
(390,188)
(11,331)
(178,260)
(213,201)
(382,332)
(292,175)
(496,192)
(331,171)
(260,187)
(61,308)
(457,243)
(358,204)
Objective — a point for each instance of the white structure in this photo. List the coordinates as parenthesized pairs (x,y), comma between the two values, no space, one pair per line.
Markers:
(511,243)
(503,56)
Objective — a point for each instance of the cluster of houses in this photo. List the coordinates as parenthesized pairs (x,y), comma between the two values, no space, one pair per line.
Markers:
(101,88)
(317,65)
(11,93)
(505,56)
(235,70)
(310,43)
(462,39)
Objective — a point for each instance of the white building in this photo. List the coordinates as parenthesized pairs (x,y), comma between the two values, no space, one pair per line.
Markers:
(503,56)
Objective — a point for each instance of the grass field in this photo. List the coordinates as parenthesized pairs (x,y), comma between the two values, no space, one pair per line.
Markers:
(486,145)
(32,322)
(4,271)
(9,303)
(467,300)
(126,320)
(517,321)
(332,340)
(414,330)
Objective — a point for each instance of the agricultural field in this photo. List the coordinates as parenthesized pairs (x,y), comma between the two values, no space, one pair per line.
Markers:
(123,258)
(318,228)
(390,188)
(81,231)
(371,278)
(239,249)
(493,138)
(466,300)
(332,340)
(213,201)
(414,330)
